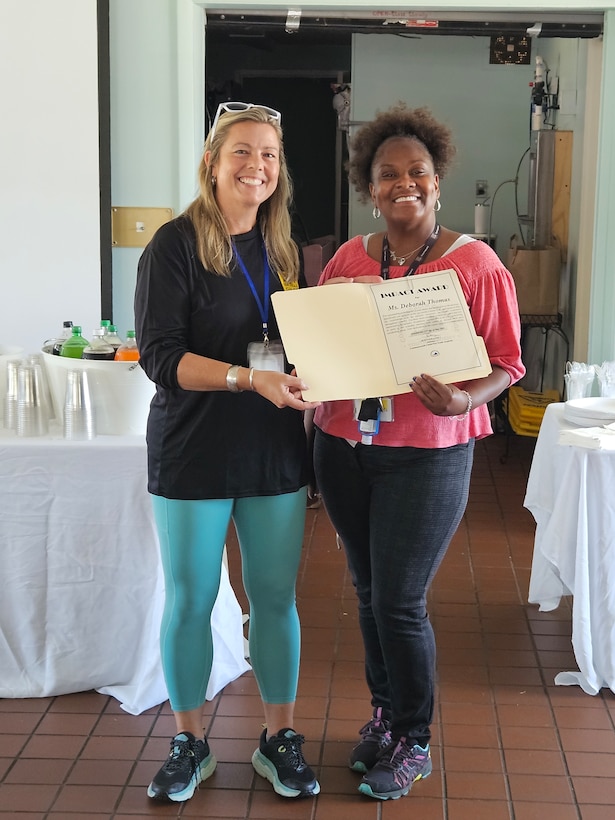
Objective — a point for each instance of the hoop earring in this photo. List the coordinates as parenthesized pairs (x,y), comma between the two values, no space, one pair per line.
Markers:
(376,212)
(437,206)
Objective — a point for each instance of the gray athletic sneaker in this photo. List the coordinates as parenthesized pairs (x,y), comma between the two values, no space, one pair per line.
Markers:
(188,764)
(375,736)
(280,760)
(397,769)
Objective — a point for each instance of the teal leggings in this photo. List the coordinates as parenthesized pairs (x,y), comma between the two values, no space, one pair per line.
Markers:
(192,536)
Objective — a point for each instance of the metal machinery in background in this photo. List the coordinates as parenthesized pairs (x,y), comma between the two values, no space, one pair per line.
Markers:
(538,220)
(540,191)
(521,408)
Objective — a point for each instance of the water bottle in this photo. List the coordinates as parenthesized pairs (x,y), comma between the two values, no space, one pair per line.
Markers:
(128,352)
(112,338)
(98,349)
(73,346)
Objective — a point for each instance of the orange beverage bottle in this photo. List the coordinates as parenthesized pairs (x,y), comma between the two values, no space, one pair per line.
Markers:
(128,352)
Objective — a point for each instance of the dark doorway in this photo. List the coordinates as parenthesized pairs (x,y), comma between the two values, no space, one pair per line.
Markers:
(295,76)
(309,124)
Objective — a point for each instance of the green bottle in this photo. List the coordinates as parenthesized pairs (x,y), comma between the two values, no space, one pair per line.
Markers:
(73,347)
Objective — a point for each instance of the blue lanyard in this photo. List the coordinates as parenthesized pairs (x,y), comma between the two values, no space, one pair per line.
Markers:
(263,307)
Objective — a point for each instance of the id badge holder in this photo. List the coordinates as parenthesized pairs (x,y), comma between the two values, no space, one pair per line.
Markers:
(269,356)
(386,413)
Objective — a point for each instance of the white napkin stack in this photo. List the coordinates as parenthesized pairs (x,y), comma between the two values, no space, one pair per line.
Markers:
(595,438)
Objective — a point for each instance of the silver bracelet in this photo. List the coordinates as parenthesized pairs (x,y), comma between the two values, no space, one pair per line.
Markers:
(251,378)
(231,378)
(466,413)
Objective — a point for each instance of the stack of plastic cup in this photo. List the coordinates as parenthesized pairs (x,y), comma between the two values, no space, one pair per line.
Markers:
(578,379)
(10,394)
(79,417)
(32,415)
(606,379)
(36,359)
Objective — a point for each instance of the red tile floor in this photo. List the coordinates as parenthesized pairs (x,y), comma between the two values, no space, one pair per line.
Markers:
(508,744)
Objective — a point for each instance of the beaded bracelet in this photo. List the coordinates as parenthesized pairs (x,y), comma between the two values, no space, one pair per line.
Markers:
(466,413)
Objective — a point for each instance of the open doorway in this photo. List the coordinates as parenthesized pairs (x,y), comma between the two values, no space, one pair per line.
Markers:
(312,151)
(296,76)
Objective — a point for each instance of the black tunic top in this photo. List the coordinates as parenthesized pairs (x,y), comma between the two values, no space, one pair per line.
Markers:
(213,444)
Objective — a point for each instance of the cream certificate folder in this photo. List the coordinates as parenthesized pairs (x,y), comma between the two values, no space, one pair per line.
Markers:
(352,341)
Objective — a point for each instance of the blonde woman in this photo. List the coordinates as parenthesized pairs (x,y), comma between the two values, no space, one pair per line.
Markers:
(225,438)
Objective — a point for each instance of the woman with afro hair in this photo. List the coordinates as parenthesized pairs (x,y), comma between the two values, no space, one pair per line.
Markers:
(397,498)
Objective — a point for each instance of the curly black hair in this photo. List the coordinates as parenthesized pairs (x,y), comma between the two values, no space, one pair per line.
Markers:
(398,121)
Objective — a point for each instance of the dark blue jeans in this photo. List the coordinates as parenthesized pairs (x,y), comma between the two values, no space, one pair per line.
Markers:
(395,510)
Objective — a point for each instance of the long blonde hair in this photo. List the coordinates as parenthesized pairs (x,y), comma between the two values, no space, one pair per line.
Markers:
(212,237)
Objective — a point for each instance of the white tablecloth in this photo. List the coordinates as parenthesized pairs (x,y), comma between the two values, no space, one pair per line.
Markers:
(571,494)
(81,587)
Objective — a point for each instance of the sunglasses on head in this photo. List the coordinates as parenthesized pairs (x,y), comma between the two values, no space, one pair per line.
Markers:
(233,107)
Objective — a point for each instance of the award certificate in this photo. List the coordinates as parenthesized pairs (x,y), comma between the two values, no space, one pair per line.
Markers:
(352,341)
